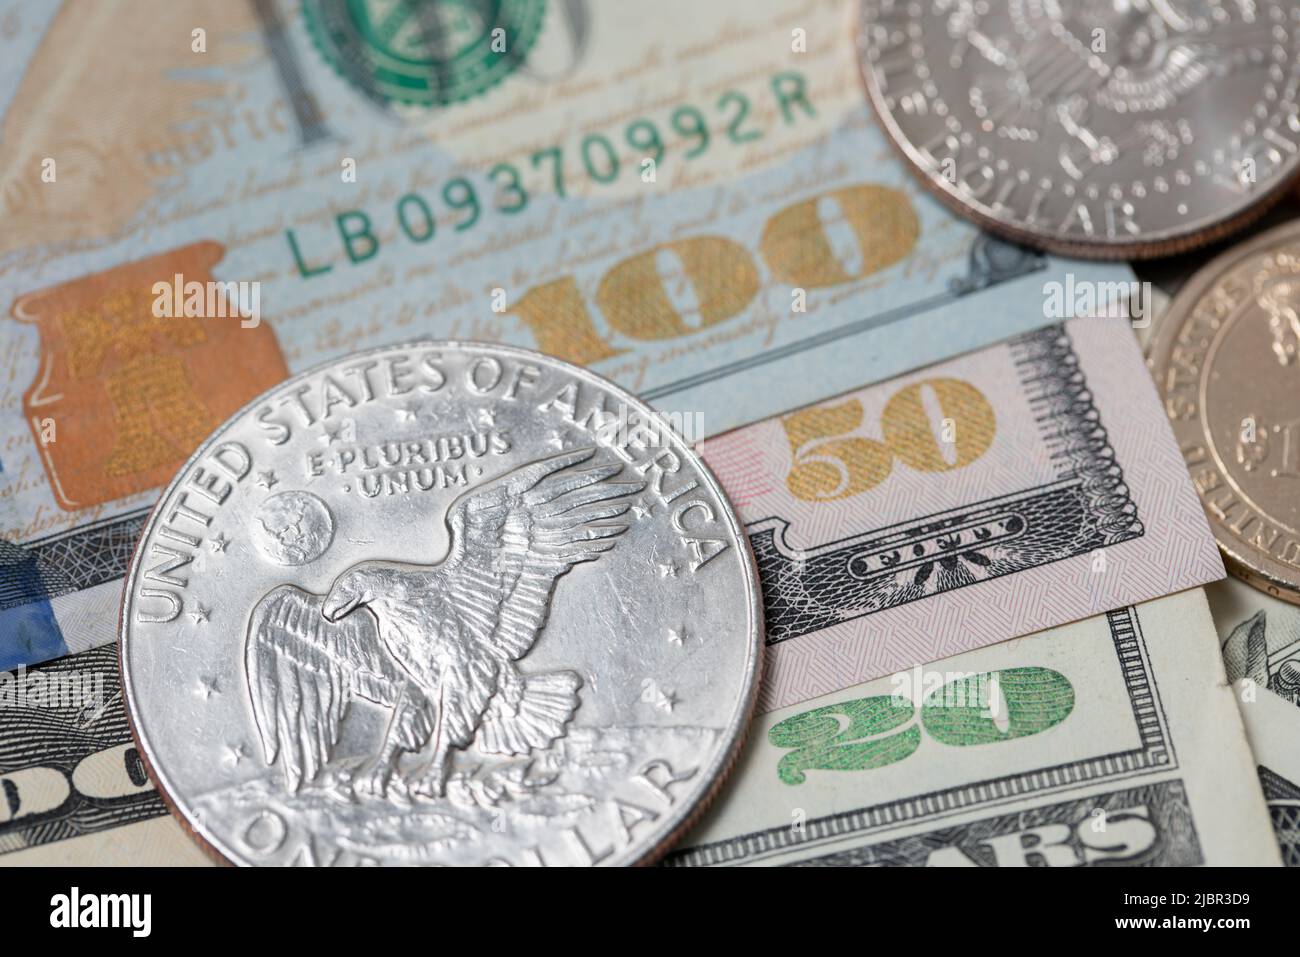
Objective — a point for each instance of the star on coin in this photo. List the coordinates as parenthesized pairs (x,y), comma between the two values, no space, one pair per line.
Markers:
(317,620)
(200,614)
(556,439)
(331,434)
(487,416)
(604,426)
(678,636)
(640,509)
(668,569)
(267,479)
(219,543)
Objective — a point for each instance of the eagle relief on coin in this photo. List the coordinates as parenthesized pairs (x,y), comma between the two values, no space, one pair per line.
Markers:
(441,603)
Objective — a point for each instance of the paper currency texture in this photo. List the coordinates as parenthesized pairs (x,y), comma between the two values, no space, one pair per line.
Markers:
(1111,740)
(708,216)
(1026,485)
(1272,727)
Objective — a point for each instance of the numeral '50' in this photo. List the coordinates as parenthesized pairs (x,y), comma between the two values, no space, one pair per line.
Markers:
(830,464)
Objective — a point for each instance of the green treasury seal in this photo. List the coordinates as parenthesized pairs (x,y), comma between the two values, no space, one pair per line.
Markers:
(424,52)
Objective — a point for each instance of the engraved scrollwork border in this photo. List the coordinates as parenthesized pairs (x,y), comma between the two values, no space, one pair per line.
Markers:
(1154,752)
(1087,506)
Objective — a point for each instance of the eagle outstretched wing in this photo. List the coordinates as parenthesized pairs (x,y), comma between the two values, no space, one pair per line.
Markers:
(303,670)
(513,537)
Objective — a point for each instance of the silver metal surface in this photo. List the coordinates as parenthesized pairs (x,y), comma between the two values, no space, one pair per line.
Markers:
(1103,128)
(441,603)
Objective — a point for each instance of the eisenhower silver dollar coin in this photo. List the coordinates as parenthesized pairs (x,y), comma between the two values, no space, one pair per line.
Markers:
(441,603)
(1095,128)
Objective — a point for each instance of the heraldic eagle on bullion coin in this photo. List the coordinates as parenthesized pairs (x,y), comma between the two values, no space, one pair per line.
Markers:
(437,644)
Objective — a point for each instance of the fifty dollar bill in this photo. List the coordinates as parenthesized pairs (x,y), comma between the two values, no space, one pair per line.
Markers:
(1026,485)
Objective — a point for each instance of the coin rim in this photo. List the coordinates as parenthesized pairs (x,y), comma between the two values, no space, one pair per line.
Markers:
(1168,243)
(735,733)
(1179,310)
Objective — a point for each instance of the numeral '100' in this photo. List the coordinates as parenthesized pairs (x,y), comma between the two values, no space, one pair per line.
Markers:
(827,240)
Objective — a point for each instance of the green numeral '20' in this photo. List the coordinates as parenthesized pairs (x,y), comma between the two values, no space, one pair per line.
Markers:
(874,732)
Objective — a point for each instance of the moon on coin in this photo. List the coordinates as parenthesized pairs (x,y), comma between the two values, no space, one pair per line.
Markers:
(293,528)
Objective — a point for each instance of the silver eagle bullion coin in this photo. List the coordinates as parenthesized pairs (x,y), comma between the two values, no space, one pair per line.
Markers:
(1092,127)
(441,603)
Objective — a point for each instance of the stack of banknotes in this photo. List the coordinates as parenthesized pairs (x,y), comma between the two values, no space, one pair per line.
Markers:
(1005,639)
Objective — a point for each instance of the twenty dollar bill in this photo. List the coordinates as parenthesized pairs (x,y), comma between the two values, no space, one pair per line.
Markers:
(1111,740)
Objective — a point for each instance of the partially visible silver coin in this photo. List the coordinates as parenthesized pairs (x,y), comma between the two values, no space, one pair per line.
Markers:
(441,603)
(1098,128)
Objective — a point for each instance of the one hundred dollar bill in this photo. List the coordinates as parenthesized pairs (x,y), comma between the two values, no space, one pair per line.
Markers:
(1260,638)
(1273,729)
(709,216)
(1029,484)
(75,789)
(1113,740)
